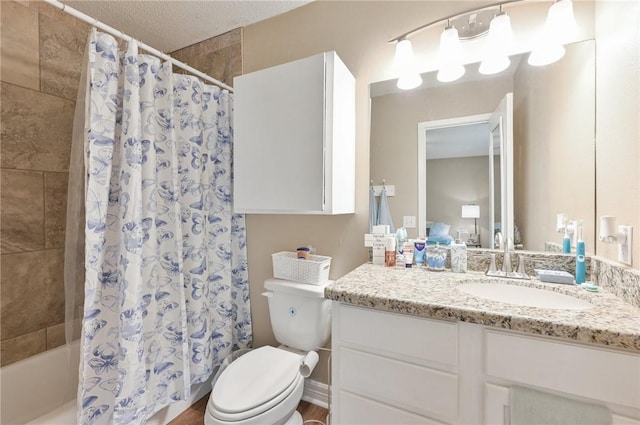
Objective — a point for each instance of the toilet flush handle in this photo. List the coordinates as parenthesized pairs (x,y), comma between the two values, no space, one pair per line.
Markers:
(267,294)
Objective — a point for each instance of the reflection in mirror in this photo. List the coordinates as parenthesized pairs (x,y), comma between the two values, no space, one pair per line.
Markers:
(553,146)
(460,144)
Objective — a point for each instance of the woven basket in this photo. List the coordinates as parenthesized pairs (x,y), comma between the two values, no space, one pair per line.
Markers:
(314,271)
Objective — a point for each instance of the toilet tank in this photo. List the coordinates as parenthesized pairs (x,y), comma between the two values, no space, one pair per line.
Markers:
(300,315)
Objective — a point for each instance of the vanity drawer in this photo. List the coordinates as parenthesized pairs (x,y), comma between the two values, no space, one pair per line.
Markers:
(407,386)
(356,410)
(601,374)
(396,335)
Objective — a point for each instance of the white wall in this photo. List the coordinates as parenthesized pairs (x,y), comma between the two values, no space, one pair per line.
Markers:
(618,117)
(554,146)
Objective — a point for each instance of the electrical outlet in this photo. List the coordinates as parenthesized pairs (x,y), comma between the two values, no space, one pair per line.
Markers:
(409,221)
(625,254)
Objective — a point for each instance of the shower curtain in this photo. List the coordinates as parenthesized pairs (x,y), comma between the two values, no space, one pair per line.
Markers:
(166,290)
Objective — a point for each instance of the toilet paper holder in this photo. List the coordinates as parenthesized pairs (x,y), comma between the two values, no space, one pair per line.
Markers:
(308,363)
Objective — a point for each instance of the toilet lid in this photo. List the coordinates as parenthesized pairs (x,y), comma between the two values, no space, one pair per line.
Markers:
(254,379)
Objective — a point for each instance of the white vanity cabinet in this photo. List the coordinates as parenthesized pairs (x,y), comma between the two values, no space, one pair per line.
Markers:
(294,138)
(391,368)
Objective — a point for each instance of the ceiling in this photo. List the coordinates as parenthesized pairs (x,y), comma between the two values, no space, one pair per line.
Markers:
(458,141)
(171,25)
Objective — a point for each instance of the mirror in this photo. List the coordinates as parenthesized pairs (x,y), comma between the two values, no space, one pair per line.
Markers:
(553,152)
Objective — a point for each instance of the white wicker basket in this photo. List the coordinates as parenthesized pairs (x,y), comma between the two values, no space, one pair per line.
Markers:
(314,271)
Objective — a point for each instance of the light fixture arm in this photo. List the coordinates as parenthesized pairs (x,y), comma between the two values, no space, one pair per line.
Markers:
(448,18)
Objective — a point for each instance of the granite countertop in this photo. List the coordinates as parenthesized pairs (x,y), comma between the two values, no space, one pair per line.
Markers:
(416,291)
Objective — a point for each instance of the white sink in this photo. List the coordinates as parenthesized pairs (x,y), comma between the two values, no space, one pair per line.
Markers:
(524,296)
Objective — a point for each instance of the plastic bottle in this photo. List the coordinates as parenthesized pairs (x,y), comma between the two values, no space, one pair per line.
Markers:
(390,251)
(408,253)
(566,241)
(580,256)
(419,251)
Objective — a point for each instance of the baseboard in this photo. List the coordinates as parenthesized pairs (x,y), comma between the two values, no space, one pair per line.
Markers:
(316,393)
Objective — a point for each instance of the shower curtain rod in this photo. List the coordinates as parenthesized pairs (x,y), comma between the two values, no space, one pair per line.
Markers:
(106,28)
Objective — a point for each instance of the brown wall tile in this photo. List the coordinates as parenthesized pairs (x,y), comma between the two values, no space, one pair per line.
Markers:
(19,55)
(55,209)
(21,347)
(62,18)
(36,129)
(32,291)
(61,56)
(55,336)
(22,214)
(42,51)
(219,57)
(56,333)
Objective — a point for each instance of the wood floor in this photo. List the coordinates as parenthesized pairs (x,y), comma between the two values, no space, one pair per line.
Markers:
(194,415)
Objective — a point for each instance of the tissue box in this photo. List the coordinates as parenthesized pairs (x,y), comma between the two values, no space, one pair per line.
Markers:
(459,258)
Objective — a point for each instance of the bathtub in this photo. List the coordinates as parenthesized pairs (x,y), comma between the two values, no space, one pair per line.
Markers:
(41,390)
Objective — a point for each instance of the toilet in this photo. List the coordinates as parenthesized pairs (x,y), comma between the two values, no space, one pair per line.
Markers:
(265,385)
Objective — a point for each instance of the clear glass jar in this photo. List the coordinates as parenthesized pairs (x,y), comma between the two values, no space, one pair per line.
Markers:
(436,257)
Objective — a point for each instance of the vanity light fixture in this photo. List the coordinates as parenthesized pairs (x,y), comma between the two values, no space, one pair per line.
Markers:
(499,44)
(559,28)
(450,55)
(405,62)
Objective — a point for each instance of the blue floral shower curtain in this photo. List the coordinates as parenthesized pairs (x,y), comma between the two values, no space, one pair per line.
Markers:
(166,292)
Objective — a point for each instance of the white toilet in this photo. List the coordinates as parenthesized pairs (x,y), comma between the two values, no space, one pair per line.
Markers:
(264,386)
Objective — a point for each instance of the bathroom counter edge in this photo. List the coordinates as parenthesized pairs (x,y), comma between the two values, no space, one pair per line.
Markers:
(611,322)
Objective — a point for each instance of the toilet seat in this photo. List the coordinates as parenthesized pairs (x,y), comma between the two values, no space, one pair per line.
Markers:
(238,395)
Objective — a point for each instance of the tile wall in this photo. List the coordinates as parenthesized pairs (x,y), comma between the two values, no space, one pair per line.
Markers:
(41,58)
(41,55)
(219,57)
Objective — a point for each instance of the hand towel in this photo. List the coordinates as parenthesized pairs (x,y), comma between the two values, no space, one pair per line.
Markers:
(531,407)
(384,213)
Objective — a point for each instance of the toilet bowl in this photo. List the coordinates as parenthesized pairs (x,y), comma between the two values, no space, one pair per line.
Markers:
(264,386)
(261,387)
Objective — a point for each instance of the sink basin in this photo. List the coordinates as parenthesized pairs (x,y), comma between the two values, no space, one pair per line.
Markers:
(524,296)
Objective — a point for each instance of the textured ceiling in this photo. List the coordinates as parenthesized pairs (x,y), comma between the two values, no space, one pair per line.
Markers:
(171,25)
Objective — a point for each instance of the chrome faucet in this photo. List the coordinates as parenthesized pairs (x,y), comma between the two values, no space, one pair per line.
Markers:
(507,271)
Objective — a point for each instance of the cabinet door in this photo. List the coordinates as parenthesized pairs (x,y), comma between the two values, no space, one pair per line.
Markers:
(279,138)
(496,404)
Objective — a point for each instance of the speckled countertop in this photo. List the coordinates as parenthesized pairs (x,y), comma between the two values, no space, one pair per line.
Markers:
(610,322)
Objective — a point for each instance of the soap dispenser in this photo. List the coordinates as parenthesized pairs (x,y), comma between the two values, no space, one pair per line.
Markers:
(580,256)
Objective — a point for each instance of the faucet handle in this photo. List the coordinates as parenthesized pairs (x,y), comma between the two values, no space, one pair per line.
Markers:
(491,271)
(522,272)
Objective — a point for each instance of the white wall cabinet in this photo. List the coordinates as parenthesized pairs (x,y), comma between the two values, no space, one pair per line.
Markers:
(398,369)
(294,138)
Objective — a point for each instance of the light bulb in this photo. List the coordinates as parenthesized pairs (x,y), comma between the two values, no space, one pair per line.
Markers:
(405,63)
(499,44)
(559,28)
(561,22)
(450,56)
